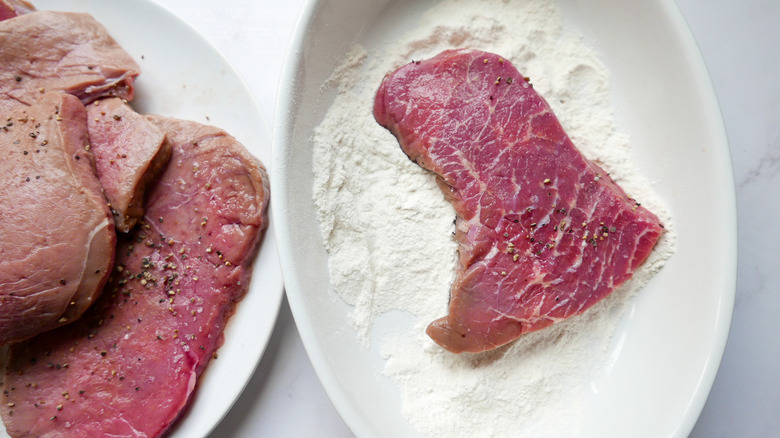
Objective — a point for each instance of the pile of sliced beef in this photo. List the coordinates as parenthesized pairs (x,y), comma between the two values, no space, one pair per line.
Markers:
(125,240)
(543,232)
(56,232)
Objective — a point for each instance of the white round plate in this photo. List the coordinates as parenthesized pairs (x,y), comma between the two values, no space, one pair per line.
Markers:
(184,76)
(668,346)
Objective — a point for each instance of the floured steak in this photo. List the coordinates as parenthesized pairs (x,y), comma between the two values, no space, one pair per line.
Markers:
(130,365)
(56,233)
(543,233)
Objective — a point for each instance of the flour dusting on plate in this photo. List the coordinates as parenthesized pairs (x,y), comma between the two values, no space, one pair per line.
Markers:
(389,232)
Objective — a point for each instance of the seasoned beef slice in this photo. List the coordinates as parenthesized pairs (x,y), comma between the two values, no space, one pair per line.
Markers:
(56,233)
(65,51)
(543,232)
(130,365)
(130,151)
(14,8)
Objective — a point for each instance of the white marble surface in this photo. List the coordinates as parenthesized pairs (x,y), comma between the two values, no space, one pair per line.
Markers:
(739,41)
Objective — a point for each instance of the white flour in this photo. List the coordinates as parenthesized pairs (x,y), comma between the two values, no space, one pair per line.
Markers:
(388,229)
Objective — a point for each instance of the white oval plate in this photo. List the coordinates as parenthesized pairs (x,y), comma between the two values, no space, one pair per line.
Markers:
(184,76)
(668,347)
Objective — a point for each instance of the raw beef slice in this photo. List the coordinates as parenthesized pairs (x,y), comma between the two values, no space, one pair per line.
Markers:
(56,234)
(543,232)
(14,8)
(130,151)
(65,51)
(130,365)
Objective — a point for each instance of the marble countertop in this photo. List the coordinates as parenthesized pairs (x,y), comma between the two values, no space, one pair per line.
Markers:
(739,41)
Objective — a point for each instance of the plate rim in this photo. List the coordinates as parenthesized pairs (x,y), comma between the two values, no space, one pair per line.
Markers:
(727,298)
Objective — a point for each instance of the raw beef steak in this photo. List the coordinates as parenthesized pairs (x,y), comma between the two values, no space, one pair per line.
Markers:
(56,233)
(130,365)
(543,233)
(14,8)
(130,151)
(65,51)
